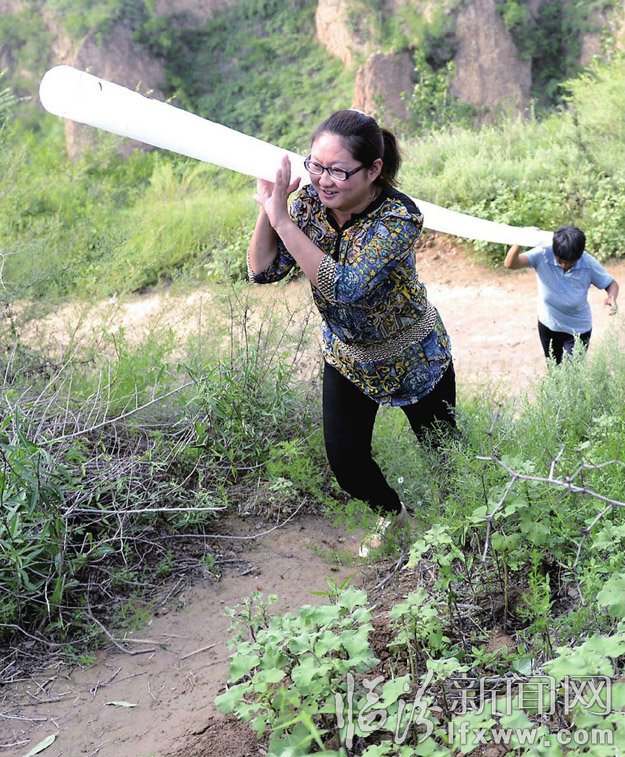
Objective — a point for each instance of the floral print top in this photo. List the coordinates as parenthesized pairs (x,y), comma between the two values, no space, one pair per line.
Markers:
(378,329)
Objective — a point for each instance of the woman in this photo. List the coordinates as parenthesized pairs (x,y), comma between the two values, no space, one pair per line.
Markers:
(354,237)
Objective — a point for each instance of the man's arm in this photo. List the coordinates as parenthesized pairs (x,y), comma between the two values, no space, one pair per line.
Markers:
(515,258)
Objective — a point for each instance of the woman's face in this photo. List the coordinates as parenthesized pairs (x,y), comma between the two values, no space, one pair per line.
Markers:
(342,197)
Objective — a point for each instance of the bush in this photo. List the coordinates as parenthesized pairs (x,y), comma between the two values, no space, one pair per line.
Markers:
(178,223)
(108,225)
(107,454)
(278,83)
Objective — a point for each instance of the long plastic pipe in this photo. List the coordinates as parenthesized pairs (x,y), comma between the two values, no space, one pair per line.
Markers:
(76,95)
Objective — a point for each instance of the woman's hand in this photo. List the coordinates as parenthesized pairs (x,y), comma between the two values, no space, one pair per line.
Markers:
(273,196)
(610,300)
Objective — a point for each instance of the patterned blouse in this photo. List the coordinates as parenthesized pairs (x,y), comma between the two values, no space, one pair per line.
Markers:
(378,328)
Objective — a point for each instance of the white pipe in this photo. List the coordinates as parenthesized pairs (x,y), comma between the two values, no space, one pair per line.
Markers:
(78,96)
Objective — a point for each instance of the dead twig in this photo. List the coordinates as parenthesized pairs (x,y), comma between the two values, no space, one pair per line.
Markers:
(161,644)
(566,482)
(114,641)
(23,717)
(30,635)
(199,651)
(94,689)
(123,416)
(490,517)
(237,538)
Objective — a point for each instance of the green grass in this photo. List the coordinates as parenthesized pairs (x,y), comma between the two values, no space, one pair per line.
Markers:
(107,225)
(565,168)
(135,426)
(504,541)
(181,223)
(255,67)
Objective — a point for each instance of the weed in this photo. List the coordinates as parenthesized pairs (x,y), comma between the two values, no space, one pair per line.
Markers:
(284,680)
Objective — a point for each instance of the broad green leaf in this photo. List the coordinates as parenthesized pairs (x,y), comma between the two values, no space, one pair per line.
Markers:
(259,725)
(609,646)
(393,690)
(612,596)
(228,701)
(356,643)
(429,748)
(479,514)
(241,664)
(578,662)
(352,598)
(328,642)
(304,673)
(273,675)
(324,614)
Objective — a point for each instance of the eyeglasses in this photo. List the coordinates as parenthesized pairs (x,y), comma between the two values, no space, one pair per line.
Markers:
(340,174)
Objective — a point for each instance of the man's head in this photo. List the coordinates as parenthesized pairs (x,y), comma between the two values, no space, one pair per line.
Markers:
(568,245)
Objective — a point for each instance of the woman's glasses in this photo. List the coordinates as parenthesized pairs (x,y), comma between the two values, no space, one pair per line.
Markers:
(339,174)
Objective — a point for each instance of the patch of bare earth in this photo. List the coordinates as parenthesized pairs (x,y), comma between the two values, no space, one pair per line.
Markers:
(491,315)
(172,687)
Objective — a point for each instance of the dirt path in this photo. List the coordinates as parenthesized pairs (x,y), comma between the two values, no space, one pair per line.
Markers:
(491,318)
(174,687)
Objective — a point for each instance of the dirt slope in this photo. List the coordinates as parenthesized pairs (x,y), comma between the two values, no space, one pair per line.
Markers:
(174,686)
(490,314)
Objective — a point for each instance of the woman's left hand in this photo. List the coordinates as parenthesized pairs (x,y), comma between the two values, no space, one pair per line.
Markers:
(610,301)
(273,197)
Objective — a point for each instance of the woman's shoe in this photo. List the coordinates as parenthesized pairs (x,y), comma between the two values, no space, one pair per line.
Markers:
(403,518)
(374,539)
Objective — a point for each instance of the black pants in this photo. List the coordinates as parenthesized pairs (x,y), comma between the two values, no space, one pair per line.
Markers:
(348,419)
(556,343)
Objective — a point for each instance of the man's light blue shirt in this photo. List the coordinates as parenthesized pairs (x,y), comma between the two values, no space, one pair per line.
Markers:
(563,297)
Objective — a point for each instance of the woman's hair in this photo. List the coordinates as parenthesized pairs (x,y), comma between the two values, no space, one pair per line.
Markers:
(365,140)
(569,243)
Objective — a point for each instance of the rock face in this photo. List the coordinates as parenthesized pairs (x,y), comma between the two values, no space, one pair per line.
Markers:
(620,29)
(344,37)
(489,72)
(120,60)
(592,41)
(7,8)
(383,84)
(117,59)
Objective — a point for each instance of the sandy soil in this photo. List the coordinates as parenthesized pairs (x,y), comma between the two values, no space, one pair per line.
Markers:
(491,318)
(172,688)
